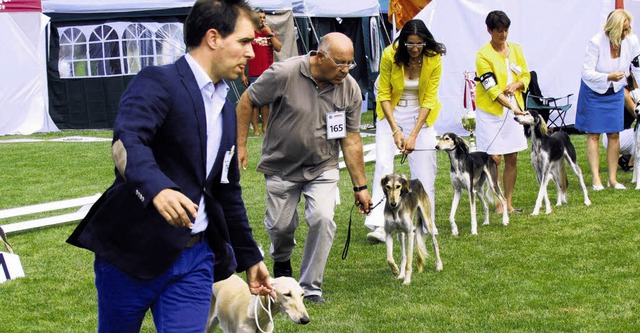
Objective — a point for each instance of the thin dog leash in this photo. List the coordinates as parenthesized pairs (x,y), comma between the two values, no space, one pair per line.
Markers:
(403,159)
(268,310)
(345,251)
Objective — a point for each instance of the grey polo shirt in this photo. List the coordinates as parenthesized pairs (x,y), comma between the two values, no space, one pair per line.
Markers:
(295,146)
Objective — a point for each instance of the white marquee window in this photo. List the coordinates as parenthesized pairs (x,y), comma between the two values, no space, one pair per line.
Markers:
(117,48)
(138,50)
(169,44)
(73,54)
(104,52)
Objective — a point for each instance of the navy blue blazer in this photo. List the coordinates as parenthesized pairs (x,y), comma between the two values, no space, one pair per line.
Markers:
(161,124)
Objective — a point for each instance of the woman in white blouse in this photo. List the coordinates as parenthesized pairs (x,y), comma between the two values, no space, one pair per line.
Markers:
(601,99)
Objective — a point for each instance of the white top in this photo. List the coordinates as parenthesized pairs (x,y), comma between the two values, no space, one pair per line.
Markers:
(598,62)
(214,97)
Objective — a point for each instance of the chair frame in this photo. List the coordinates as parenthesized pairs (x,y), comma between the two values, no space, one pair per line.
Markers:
(550,104)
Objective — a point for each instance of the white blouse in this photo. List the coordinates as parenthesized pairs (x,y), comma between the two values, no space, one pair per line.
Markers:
(598,62)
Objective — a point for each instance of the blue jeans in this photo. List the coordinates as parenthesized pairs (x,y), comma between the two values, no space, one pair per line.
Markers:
(179,299)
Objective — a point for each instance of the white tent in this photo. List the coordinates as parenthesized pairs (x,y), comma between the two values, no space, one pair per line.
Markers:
(110,6)
(272,4)
(24,102)
(336,8)
(553,34)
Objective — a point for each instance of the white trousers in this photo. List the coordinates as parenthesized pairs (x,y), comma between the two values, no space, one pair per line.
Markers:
(422,162)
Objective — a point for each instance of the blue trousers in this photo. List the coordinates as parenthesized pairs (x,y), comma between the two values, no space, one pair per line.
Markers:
(179,299)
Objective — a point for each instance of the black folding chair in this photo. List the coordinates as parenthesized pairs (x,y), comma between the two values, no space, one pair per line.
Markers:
(552,108)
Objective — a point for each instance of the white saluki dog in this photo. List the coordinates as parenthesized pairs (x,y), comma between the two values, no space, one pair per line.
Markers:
(407,212)
(237,311)
(548,154)
(469,171)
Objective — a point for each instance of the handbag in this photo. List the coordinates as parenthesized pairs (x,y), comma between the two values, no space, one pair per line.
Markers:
(10,265)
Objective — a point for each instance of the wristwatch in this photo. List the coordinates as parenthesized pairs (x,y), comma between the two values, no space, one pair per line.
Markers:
(359,188)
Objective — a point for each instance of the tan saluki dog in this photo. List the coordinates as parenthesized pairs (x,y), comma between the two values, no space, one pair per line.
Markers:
(407,213)
(237,311)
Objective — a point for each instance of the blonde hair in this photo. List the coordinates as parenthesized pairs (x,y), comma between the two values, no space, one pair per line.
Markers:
(615,22)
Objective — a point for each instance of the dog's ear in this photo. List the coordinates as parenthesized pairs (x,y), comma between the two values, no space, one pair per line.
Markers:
(383,184)
(542,125)
(461,143)
(405,184)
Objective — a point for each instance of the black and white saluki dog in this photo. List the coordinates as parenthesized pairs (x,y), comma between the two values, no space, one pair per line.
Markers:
(548,154)
(470,171)
(407,212)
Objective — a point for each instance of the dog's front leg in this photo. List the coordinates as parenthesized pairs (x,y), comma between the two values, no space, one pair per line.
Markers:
(454,208)
(542,194)
(636,161)
(409,257)
(472,210)
(392,263)
(403,252)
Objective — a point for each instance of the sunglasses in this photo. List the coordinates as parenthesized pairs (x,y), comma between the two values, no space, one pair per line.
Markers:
(412,45)
(350,65)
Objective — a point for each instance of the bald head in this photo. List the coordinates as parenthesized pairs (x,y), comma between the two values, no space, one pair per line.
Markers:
(331,64)
(336,42)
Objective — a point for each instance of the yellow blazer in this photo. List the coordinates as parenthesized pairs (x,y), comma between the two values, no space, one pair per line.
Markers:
(488,60)
(391,83)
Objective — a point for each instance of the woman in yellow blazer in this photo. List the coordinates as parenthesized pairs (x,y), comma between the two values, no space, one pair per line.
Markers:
(408,106)
(504,75)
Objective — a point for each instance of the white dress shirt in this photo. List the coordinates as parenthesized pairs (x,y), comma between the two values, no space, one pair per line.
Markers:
(214,97)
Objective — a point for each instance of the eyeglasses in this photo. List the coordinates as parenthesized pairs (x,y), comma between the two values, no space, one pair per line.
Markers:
(342,65)
(412,45)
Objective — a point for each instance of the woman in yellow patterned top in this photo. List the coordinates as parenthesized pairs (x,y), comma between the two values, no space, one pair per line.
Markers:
(503,76)
(408,106)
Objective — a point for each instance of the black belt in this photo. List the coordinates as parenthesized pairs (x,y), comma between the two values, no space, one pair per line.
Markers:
(195,239)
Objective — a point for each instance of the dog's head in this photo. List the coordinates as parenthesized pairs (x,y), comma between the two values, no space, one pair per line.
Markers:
(635,97)
(289,297)
(450,141)
(394,185)
(532,119)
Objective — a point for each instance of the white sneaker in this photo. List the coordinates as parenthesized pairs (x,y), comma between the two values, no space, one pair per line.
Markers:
(377,235)
(617,186)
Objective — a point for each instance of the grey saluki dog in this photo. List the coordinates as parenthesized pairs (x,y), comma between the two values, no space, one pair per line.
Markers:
(548,154)
(407,212)
(470,171)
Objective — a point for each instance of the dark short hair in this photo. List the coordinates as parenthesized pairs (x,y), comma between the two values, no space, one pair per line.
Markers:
(259,10)
(418,28)
(214,14)
(497,19)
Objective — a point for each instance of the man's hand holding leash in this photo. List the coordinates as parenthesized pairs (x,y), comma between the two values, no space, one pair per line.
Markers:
(363,199)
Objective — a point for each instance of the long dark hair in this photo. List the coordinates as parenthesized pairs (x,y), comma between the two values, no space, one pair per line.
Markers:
(418,28)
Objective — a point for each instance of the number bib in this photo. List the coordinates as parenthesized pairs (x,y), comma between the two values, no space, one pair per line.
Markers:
(336,125)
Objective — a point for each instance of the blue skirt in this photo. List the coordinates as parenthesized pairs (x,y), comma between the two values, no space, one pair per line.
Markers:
(600,113)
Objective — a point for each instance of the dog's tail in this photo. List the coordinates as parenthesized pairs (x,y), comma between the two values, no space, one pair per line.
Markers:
(424,224)
(420,241)
(564,182)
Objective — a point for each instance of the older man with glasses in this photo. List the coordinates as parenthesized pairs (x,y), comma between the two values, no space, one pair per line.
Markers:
(315,107)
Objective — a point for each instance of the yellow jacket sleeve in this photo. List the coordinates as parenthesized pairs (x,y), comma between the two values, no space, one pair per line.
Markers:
(488,60)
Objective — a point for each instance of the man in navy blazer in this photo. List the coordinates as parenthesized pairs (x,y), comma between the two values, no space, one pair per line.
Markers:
(174,216)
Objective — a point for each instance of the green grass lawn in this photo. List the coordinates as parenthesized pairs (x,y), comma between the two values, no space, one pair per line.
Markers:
(575,270)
